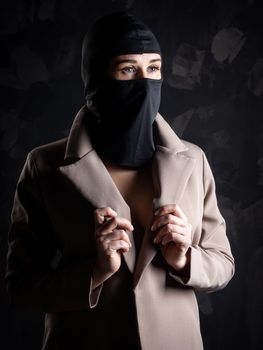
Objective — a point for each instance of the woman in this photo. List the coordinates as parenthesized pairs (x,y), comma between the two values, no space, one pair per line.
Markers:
(114,227)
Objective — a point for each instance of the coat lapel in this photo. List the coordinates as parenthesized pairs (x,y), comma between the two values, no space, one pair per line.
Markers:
(88,173)
(171,170)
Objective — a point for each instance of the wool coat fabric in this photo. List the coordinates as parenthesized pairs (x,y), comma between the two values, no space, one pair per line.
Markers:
(145,304)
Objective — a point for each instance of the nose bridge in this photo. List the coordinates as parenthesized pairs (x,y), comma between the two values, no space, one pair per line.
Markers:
(142,71)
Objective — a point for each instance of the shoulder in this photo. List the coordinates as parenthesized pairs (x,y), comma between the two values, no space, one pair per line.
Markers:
(50,154)
(202,164)
(167,138)
(193,150)
(196,152)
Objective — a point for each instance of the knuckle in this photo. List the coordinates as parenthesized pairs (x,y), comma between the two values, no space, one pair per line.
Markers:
(114,221)
(99,211)
(125,245)
(96,211)
(169,227)
(173,235)
(170,218)
(122,234)
(122,244)
(105,209)
(96,215)
(169,233)
(125,222)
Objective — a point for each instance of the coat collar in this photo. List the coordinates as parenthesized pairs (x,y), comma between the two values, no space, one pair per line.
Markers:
(171,169)
(79,143)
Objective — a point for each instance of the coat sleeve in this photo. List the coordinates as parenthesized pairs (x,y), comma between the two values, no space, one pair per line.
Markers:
(33,278)
(211,260)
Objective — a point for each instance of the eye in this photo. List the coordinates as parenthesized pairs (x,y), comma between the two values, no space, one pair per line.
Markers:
(153,68)
(128,69)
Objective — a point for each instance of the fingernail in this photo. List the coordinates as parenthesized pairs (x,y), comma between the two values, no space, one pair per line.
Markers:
(132,228)
(156,212)
(152,228)
(100,219)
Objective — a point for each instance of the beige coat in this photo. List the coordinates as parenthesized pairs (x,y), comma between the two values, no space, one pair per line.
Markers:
(52,248)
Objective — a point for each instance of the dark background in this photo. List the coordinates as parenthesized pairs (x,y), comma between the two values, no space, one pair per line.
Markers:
(212,96)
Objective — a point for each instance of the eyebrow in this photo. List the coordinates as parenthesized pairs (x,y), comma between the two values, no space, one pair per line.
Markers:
(135,61)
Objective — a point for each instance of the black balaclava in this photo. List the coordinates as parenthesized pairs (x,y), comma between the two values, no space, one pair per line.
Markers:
(122,112)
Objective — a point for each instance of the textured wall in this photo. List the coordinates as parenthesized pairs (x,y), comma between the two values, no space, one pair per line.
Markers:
(212,96)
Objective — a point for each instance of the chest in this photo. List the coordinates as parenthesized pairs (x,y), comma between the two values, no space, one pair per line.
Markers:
(136,187)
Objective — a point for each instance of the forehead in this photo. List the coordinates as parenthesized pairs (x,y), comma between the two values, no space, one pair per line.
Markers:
(137,58)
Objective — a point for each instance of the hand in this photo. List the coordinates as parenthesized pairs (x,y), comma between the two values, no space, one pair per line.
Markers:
(112,240)
(174,234)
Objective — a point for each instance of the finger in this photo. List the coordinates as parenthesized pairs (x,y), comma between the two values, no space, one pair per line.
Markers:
(115,246)
(168,229)
(171,209)
(160,221)
(181,241)
(116,235)
(101,213)
(116,222)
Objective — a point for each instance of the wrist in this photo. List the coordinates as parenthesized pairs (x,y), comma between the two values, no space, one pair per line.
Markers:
(182,265)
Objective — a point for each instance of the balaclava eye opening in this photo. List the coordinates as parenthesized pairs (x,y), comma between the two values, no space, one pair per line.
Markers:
(122,111)
(115,34)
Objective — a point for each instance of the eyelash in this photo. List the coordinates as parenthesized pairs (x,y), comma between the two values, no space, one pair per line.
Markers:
(126,70)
